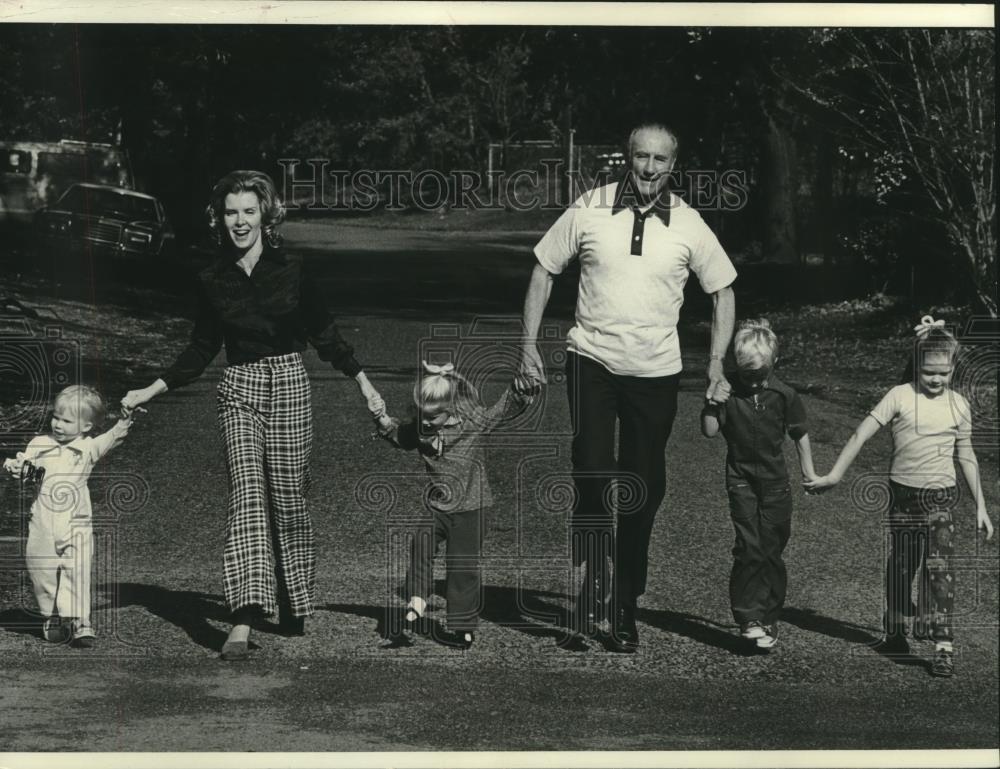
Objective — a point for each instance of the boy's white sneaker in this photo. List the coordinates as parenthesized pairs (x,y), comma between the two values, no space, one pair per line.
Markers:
(752,630)
(770,638)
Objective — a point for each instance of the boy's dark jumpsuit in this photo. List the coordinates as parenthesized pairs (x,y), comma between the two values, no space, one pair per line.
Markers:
(760,499)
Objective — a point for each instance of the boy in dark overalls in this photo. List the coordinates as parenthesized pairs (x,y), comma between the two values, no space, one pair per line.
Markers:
(754,419)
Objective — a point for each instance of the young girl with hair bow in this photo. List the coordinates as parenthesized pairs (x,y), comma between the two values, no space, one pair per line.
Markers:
(448,430)
(931,427)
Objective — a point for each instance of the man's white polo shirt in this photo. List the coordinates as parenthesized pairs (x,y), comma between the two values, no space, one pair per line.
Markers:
(633,269)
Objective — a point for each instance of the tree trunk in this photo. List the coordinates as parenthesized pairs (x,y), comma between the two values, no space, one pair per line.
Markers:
(780,243)
(824,198)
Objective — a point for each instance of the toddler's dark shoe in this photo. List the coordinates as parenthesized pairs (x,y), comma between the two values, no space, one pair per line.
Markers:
(894,645)
(394,640)
(573,642)
(461,639)
(57,631)
(944,663)
(413,622)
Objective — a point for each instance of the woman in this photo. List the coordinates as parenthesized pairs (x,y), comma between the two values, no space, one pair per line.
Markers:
(257,300)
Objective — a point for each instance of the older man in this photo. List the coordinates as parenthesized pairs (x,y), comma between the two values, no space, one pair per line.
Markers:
(637,244)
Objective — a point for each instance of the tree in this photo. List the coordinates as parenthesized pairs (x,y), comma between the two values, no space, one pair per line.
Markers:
(921,104)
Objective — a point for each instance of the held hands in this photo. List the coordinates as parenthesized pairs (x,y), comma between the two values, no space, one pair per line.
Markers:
(374,402)
(719,388)
(531,376)
(820,484)
(377,408)
(135,398)
(123,425)
(722,393)
(376,405)
(14,464)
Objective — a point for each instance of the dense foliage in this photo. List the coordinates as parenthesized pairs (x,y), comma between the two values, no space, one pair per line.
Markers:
(867,147)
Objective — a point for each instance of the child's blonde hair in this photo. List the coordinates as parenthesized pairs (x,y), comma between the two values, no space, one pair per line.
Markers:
(82,401)
(442,388)
(932,338)
(755,345)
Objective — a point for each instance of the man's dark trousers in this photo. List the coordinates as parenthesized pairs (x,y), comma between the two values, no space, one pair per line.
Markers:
(645,408)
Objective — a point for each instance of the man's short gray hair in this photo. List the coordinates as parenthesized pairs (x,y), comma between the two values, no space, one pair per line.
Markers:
(653,126)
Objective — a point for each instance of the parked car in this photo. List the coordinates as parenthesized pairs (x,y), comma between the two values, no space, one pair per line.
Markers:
(35,174)
(99,216)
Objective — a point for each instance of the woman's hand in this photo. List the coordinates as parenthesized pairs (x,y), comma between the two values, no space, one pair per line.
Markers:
(135,398)
(376,406)
(14,464)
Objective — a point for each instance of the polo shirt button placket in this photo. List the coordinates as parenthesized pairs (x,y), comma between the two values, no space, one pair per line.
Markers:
(638,225)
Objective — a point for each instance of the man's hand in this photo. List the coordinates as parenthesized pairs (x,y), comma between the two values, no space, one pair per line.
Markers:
(722,394)
(983,522)
(718,386)
(531,376)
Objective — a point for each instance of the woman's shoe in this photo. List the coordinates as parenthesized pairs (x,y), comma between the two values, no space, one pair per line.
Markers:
(238,649)
(235,651)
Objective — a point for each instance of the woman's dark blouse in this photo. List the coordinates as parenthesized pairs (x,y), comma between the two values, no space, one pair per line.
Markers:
(275,310)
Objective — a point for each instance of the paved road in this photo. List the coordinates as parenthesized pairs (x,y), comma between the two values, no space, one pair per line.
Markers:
(156,683)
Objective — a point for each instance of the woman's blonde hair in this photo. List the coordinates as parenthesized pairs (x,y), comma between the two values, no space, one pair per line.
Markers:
(82,401)
(272,210)
(755,345)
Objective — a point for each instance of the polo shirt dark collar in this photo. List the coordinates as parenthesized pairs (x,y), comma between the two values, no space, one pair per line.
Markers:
(627,196)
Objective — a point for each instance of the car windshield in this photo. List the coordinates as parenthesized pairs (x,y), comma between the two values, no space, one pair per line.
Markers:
(102,202)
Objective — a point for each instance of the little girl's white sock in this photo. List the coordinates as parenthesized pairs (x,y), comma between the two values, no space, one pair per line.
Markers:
(418,605)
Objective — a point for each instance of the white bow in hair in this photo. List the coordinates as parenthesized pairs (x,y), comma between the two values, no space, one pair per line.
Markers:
(444,369)
(926,324)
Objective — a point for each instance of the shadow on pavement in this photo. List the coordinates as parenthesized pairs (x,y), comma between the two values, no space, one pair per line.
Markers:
(186,609)
(698,629)
(21,622)
(520,610)
(808,619)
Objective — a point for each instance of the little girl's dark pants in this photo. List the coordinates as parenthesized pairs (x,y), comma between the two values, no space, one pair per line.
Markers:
(762,517)
(921,529)
(463,536)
